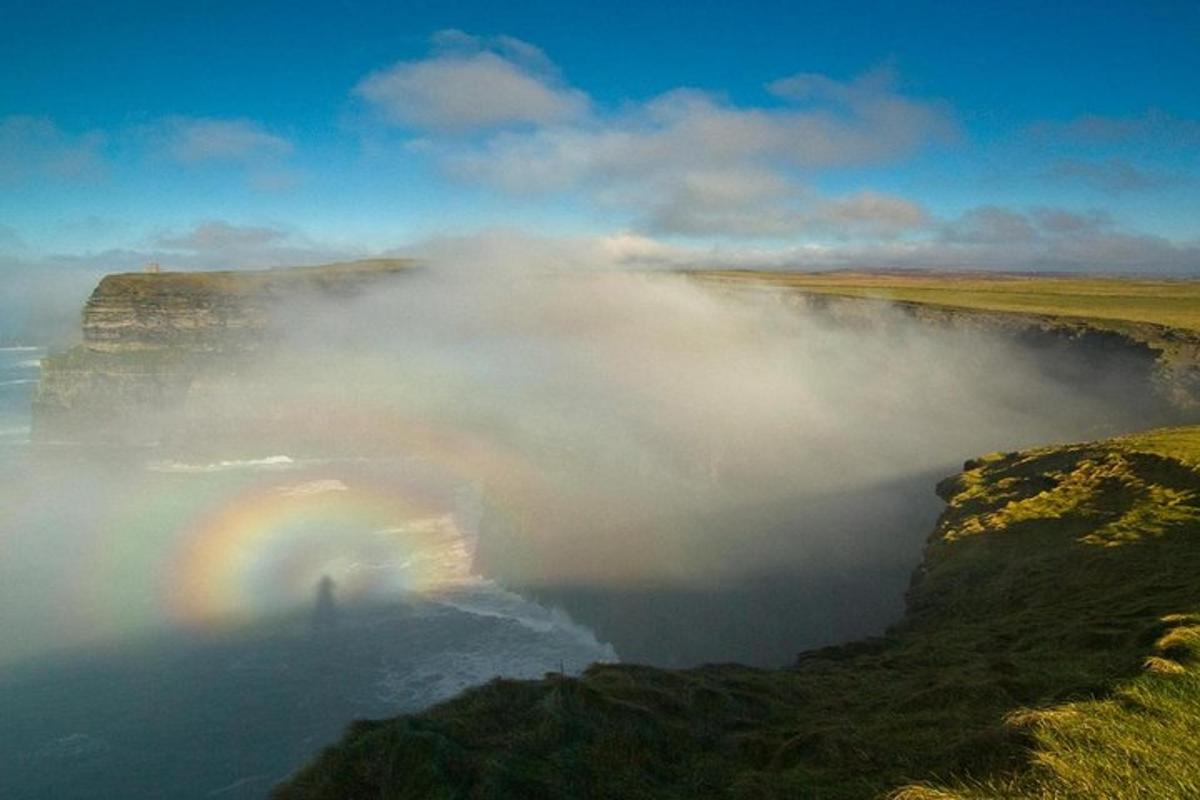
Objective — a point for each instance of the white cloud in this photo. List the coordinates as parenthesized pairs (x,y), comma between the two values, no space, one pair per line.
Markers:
(994,225)
(869,214)
(218,235)
(688,130)
(1160,127)
(471,83)
(35,147)
(1094,247)
(1112,176)
(495,112)
(692,163)
(199,139)
(990,225)
(10,239)
(221,244)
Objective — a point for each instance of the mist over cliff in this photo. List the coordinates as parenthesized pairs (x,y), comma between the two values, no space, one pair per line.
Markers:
(669,461)
(665,459)
(497,470)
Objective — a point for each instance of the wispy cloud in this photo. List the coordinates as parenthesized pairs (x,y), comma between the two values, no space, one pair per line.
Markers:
(219,235)
(683,162)
(197,139)
(472,83)
(219,243)
(1112,176)
(10,239)
(1153,124)
(34,148)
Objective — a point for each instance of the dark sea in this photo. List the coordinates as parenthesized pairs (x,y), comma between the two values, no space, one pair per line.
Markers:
(162,627)
(191,622)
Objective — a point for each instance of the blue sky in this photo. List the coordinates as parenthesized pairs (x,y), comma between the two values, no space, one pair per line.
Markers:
(1001,135)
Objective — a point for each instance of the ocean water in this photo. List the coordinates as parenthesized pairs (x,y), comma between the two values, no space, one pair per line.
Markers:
(198,623)
(163,627)
(19,368)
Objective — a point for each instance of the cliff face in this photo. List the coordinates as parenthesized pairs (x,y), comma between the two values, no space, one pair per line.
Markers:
(1167,358)
(148,337)
(211,311)
(142,312)
(1056,610)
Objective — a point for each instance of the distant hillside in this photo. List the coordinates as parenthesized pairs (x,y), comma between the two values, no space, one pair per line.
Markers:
(211,310)
(1161,315)
(1162,303)
(148,337)
(1049,650)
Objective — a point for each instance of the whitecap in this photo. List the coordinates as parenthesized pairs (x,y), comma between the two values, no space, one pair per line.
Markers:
(270,462)
(313,487)
(488,599)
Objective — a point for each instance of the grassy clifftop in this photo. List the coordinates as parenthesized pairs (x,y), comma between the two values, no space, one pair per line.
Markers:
(1162,315)
(144,286)
(1048,650)
(1162,303)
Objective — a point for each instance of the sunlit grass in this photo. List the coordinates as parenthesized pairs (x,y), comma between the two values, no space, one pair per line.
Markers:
(1159,302)
(134,287)
(1036,660)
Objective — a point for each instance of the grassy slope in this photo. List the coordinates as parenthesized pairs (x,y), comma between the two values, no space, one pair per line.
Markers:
(141,286)
(1174,304)
(1048,651)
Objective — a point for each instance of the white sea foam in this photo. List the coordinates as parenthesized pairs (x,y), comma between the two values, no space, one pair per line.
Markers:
(21,349)
(437,673)
(270,462)
(487,599)
(18,382)
(29,363)
(313,487)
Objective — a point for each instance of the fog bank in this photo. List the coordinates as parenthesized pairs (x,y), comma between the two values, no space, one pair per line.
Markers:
(644,449)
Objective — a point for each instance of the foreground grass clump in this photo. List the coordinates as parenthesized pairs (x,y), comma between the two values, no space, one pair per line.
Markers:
(1143,739)
(1049,650)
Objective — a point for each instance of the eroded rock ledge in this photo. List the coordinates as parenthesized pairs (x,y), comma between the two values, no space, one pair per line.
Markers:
(152,340)
(149,337)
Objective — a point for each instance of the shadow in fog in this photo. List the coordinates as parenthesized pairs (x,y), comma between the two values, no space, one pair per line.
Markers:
(325,612)
(829,582)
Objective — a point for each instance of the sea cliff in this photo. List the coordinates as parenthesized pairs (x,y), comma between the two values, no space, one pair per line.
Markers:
(149,338)
(152,341)
(1049,650)
(1049,646)
(1152,324)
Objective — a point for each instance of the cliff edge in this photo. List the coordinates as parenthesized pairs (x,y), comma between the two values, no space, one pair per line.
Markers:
(1049,649)
(148,337)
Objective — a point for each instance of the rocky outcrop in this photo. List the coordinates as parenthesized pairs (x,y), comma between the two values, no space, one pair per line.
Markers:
(210,311)
(149,337)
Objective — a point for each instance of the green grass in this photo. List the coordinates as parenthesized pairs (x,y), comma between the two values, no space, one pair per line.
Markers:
(1142,739)
(1170,303)
(1048,651)
(141,286)
(82,359)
